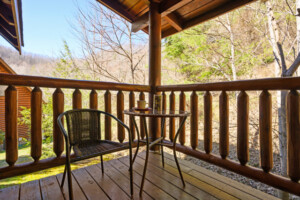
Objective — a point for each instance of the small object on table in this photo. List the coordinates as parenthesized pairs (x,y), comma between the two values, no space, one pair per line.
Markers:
(159,141)
(141,104)
(141,109)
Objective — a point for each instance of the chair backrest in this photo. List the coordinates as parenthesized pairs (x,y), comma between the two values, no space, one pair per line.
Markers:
(83,125)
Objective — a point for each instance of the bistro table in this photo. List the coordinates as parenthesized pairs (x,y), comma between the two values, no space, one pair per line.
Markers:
(159,141)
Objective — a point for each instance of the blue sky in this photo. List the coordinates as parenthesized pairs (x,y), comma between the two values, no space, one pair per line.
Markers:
(47,24)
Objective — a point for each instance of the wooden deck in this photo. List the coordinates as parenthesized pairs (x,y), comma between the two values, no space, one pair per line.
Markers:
(160,183)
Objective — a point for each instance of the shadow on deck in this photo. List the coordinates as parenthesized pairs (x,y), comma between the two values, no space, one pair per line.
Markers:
(160,183)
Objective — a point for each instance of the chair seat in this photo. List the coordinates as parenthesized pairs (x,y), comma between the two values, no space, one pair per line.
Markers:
(95,148)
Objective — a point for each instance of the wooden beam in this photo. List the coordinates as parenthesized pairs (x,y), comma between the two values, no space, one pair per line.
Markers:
(141,23)
(222,9)
(175,21)
(154,62)
(118,8)
(166,7)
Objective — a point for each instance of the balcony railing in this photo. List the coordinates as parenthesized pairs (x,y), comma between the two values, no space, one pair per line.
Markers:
(262,174)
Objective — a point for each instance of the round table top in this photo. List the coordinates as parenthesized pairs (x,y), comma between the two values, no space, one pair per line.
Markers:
(155,113)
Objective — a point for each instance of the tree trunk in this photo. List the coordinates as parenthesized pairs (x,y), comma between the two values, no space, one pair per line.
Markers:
(281,95)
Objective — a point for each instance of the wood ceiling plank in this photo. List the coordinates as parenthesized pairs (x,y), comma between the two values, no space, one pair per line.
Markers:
(118,8)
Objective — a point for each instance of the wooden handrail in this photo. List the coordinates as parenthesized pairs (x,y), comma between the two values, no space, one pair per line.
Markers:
(254,84)
(38,81)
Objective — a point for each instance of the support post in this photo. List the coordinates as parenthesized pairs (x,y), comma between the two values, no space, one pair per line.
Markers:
(154,62)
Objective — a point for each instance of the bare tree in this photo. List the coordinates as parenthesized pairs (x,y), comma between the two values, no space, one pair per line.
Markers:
(278,35)
(109,47)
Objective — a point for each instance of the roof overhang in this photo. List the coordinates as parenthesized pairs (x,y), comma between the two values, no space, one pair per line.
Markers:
(177,15)
(11,24)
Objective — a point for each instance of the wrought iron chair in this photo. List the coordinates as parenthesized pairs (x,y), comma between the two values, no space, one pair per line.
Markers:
(84,135)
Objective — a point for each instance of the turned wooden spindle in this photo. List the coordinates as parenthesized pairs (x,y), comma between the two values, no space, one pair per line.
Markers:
(182,108)
(132,105)
(120,115)
(207,122)
(164,107)
(194,120)
(107,119)
(58,108)
(36,123)
(224,125)
(11,125)
(265,131)
(94,100)
(293,136)
(243,128)
(172,119)
(142,130)
(77,102)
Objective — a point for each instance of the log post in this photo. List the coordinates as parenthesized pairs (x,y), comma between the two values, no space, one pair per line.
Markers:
(77,102)
(154,62)
(182,108)
(58,108)
(142,130)
(224,125)
(36,124)
(164,107)
(107,102)
(93,100)
(265,131)
(293,135)
(131,105)
(120,114)
(243,128)
(194,120)
(11,125)
(207,122)
(172,119)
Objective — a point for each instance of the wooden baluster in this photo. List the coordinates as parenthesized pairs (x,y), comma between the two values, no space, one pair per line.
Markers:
(11,125)
(172,119)
(224,125)
(132,105)
(77,103)
(243,128)
(182,108)
(107,100)
(58,108)
(194,120)
(164,107)
(293,136)
(94,100)
(36,124)
(120,109)
(142,130)
(207,122)
(265,131)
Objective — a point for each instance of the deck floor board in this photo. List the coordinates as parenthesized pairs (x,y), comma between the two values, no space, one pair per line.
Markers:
(161,183)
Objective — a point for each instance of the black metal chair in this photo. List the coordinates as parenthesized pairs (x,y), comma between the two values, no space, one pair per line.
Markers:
(84,135)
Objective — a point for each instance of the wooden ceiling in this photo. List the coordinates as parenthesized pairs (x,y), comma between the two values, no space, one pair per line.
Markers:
(11,24)
(177,15)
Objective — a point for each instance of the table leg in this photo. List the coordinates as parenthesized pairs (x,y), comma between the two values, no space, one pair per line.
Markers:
(161,142)
(174,149)
(147,155)
(138,134)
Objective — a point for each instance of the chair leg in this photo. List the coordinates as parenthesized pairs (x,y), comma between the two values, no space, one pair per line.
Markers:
(64,177)
(69,173)
(102,167)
